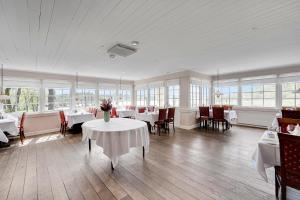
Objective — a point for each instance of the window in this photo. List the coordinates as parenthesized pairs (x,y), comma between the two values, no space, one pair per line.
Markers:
(85,98)
(157,96)
(229,97)
(141,97)
(205,95)
(106,93)
(195,95)
(259,94)
(57,99)
(22,99)
(289,97)
(173,95)
(125,97)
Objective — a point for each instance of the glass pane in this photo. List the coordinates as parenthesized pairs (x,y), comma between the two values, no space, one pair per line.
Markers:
(257,102)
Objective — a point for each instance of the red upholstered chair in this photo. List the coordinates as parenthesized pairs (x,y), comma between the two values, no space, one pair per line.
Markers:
(218,117)
(204,115)
(170,119)
(288,174)
(113,113)
(150,108)
(21,128)
(132,108)
(284,122)
(294,114)
(63,122)
(162,113)
(141,109)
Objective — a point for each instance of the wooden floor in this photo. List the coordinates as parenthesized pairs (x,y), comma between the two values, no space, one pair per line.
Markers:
(188,165)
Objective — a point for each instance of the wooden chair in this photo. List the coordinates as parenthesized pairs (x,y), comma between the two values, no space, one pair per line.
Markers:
(288,174)
(113,113)
(227,107)
(170,119)
(161,119)
(218,117)
(63,122)
(293,114)
(204,115)
(141,109)
(150,108)
(21,128)
(284,122)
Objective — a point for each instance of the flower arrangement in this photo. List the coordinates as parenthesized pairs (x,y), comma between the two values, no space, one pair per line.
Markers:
(106,105)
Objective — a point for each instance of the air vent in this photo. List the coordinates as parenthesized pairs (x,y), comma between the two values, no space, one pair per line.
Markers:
(121,50)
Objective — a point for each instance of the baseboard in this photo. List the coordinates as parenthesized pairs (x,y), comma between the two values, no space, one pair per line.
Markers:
(41,132)
(251,125)
(189,127)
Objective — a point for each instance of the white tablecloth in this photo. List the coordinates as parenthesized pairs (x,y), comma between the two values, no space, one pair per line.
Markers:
(126,113)
(76,118)
(8,125)
(229,115)
(150,117)
(267,153)
(117,136)
(275,125)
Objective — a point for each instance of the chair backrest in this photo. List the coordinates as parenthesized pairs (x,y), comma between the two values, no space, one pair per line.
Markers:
(294,114)
(218,113)
(95,112)
(62,116)
(227,107)
(290,159)
(131,107)
(171,113)
(150,108)
(113,112)
(284,122)
(22,120)
(162,114)
(204,111)
(141,109)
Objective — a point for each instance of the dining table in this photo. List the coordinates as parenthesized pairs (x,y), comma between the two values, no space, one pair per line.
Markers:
(267,153)
(9,125)
(117,136)
(125,113)
(229,115)
(150,117)
(78,118)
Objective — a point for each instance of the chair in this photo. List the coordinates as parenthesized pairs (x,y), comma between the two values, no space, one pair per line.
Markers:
(204,115)
(218,116)
(141,109)
(284,122)
(94,111)
(293,114)
(161,119)
(131,107)
(170,119)
(21,128)
(227,107)
(150,108)
(63,122)
(113,113)
(288,174)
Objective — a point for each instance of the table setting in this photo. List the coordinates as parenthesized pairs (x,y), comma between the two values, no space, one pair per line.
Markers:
(9,124)
(116,135)
(267,152)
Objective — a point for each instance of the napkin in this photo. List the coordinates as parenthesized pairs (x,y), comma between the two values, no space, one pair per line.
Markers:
(296,131)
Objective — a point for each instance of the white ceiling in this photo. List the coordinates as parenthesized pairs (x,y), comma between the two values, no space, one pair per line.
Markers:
(65,36)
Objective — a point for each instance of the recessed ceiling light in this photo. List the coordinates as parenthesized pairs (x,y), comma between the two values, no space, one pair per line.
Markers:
(135,43)
(112,56)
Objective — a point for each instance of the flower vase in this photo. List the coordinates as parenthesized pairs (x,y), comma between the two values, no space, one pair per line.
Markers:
(106,116)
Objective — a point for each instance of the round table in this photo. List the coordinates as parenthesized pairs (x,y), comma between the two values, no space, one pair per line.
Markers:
(117,136)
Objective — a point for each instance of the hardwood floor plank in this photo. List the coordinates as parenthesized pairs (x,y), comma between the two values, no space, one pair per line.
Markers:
(188,165)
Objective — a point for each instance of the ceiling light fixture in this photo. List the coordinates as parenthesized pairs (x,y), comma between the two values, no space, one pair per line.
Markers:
(135,43)
(3,96)
(218,93)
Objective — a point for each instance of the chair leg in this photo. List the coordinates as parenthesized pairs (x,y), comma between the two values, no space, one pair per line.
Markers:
(174,126)
(276,185)
(283,192)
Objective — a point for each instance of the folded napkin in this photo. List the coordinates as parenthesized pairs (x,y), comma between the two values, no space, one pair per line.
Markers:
(296,131)
(270,137)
